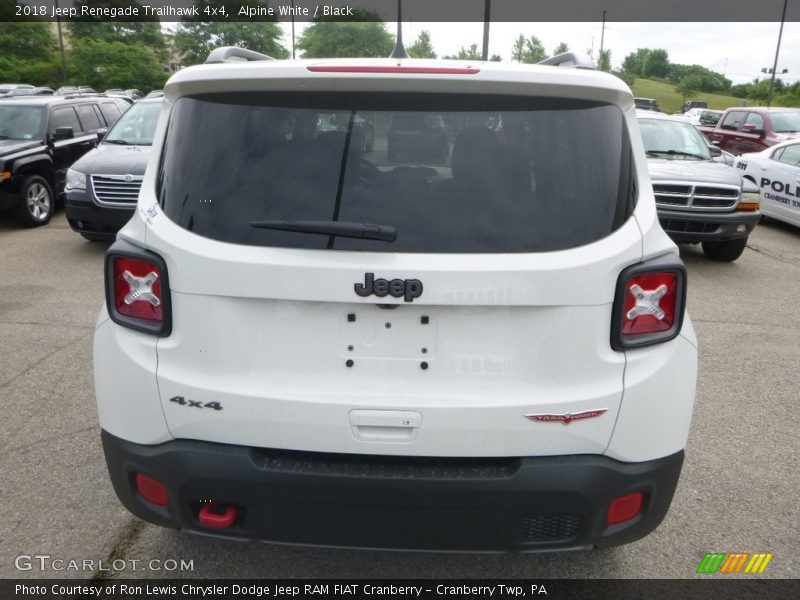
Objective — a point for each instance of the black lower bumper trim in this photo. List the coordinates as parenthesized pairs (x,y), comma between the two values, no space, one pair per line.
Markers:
(692,227)
(450,504)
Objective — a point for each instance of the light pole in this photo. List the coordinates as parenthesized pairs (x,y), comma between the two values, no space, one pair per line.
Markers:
(293,50)
(487,16)
(61,47)
(773,72)
(602,39)
(777,51)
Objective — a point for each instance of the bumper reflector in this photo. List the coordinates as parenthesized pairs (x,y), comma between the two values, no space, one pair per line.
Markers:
(217,516)
(151,489)
(625,508)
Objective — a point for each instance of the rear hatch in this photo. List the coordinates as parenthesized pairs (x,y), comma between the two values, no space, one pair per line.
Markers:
(329,297)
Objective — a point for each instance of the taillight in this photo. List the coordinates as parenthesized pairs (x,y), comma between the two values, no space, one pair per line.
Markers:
(137,289)
(649,303)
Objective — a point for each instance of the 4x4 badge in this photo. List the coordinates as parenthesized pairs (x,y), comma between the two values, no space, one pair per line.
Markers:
(408,289)
(566,418)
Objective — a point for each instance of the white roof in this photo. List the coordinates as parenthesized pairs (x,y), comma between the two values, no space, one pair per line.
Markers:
(400,75)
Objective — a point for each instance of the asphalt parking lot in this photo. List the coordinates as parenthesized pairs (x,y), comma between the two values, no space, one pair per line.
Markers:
(738,491)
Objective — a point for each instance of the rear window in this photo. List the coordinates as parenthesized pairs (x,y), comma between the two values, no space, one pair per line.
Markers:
(90,120)
(137,126)
(65,117)
(110,112)
(785,122)
(447,173)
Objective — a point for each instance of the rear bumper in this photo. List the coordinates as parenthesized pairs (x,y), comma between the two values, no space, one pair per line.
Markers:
(689,227)
(449,504)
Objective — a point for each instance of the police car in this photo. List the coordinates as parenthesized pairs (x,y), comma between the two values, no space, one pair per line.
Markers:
(308,340)
(776,172)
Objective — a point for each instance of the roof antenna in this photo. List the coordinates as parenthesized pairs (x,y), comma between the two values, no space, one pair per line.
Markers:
(399,51)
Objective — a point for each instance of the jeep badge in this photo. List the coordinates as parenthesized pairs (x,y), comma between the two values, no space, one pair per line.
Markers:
(408,289)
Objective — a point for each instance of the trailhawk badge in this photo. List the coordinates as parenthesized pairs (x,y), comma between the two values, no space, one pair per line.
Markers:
(566,418)
(408,289)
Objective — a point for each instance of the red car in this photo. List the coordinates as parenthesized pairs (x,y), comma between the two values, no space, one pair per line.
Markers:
(754,129)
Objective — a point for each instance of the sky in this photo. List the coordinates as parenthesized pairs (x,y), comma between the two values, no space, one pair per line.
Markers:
(737,50)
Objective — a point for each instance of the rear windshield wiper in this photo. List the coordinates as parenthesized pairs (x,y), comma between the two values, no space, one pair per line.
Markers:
(676,153)
(364,231)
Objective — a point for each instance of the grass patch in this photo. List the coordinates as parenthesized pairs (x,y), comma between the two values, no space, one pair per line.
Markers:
(671,101)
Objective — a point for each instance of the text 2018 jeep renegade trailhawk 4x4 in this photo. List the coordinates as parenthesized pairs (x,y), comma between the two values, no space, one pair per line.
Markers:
(309,341)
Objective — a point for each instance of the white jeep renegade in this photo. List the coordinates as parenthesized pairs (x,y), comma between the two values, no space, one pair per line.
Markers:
(396,304)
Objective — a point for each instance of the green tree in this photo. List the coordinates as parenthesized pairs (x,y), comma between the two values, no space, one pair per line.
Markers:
(195,37)
(28,52)
(141,29)
(27,41)
(689,86)
(102,64)
(790,96)
(656,63)
(362,35)
(194,40)
(528,50)
(740,90)
(627,77)
(710,81)
(422,47)
(518,49)
(471,53)
(758,91)
(634,62)
(131,32)
(604,60)
(560,49)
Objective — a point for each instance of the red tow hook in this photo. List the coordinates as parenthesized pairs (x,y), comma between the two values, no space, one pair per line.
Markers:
(217,516)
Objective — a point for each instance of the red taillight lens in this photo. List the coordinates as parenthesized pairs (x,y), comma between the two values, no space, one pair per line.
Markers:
(151,489)
(625,508)
(649,303)
(137,289)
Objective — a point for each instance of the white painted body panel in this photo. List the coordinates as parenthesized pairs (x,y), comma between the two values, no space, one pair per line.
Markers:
(125,383)
(657,406)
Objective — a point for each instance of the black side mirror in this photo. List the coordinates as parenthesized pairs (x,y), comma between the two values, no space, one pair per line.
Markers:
(715,151)
(63,133)
(101,133)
